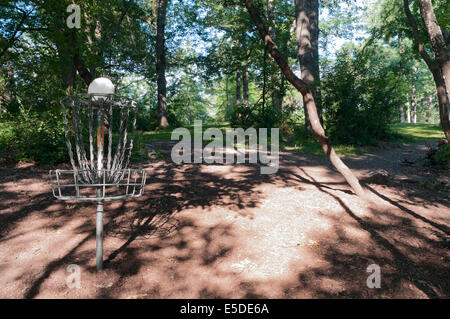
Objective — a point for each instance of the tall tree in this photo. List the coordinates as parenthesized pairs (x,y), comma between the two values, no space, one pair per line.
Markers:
(161,63)
(308,98)
(307,36)
(440,64)
(238,87)
(245,85)
(413,101)
(274,77)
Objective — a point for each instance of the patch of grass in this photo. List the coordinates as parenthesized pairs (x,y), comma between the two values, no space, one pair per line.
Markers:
(408,133)
(155,135)
(313,147)
(302,142)
(166,134)
(401,133)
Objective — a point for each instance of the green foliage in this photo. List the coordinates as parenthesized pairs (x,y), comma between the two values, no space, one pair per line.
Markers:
(186,96)
(138,153)
(360,93)
(442,156)
(34,137)
(206,42)
(439,157)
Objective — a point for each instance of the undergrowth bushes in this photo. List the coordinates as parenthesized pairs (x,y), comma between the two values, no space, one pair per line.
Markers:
(33,137)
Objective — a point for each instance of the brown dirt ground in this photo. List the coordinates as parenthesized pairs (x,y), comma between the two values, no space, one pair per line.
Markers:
(226,231)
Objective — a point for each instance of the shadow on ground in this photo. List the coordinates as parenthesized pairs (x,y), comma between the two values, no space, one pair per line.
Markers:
(226,231)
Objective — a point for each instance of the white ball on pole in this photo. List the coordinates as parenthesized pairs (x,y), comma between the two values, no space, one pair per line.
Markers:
(101,86)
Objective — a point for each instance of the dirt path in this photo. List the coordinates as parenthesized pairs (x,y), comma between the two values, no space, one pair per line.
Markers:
(227,231)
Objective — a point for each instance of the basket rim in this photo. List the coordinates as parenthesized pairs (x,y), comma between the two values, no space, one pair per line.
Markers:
(136,187)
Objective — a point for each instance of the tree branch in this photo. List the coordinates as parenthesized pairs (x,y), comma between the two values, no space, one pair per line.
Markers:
(110,35)
(85,74)
(35,29)
(415,32)
(273,49)
(13,37)
(434,31)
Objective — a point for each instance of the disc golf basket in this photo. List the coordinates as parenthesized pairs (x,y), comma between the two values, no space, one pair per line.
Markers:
(99,132)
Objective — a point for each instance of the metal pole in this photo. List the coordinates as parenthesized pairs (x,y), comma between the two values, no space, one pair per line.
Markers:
(99,236)
(99,223)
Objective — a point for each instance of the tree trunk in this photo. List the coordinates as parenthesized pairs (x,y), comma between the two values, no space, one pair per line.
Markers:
(228,111)
(442,59)
(264,82)
(274,77)
(189,109)
(443,101)
(67,61)
(161,63)
(69,79)
(307,35)
(428,109)
(440,65)
(11,95)
(238,87)
(308,98)
(402,114)
(413,104)
(401,50)
(408,112)
(284,49)
(245,86)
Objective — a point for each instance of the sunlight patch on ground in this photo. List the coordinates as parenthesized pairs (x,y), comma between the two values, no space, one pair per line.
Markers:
(270,249)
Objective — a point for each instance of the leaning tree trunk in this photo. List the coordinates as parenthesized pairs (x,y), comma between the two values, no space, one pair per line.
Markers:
(307,35)
(308,97)
(161,63)
(440,65)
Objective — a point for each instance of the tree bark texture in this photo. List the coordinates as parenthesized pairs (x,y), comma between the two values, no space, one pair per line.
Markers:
(238,86)
(245,86)
(161,63)
(307,36)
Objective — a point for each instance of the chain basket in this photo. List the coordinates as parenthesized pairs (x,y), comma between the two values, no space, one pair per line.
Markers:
(99,129)
(89,121)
